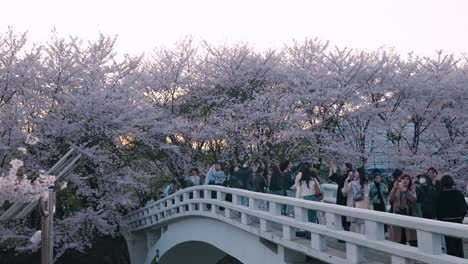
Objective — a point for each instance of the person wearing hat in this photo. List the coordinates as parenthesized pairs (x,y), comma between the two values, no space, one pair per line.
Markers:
(426,201)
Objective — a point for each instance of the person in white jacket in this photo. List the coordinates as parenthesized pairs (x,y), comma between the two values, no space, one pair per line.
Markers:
(308,188)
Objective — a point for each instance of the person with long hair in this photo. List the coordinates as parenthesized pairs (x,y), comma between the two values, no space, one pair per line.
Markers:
(403,196)
(360,189)
(308,188)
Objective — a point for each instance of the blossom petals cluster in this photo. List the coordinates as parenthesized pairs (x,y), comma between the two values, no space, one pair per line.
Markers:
(16,188)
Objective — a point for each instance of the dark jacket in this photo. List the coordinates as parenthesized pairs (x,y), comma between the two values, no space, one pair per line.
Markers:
(242,178)
(427,200)
(451,206)
(288,180)
(289,177)
(339,179)
(259,183)
(276,182)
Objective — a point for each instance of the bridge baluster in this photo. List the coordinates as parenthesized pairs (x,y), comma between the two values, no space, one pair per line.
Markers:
(245,219)
(275,208)
(220,196)
(289,232)
(429,243)
(253,203)
(354,253)
(228,213)
(334,221)
(186,199)
(300,214)
(318,242)
(235,199)
(207,194)
(374,230)
(265,225)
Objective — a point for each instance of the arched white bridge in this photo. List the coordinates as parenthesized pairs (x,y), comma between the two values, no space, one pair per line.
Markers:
(192,227)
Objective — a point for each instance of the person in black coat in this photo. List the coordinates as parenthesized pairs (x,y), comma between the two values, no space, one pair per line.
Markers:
(276,180)
(340,180)
(259,181)
(451,207)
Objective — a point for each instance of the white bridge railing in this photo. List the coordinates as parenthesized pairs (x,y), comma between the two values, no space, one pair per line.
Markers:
(262,216)
(330,196)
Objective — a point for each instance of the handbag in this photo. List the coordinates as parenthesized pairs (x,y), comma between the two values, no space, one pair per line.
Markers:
(318,192)
(359,195)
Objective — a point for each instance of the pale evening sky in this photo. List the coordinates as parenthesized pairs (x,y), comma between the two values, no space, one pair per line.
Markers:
(422,26)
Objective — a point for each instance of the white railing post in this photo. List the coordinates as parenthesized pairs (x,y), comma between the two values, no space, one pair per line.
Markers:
(193,206)
(235,199)
(186,196)
(206,194)
(374,230)
(228,213)
(300,214)
(289,232)
(245,219)
(318,242)
(206,198)
(429,243)
(253,203)
(353,253)
(275,208)
(265,225)
(186,200)
(334,221)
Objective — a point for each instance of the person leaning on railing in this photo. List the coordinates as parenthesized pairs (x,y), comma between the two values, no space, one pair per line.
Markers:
(451,207)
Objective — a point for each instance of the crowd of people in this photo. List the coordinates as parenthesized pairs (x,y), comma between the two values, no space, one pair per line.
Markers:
(427,195)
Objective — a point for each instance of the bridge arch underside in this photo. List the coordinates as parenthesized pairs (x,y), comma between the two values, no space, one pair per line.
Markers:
(193,252)
(213,237)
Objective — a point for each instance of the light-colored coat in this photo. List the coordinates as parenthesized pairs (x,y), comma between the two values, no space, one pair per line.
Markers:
(301,187)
